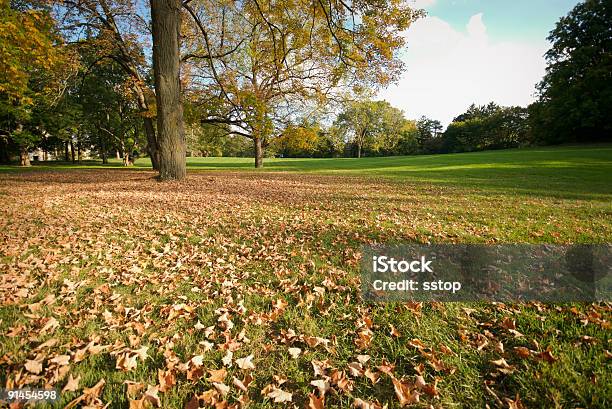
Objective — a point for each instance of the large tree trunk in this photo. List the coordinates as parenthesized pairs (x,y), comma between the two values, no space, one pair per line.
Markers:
(166,19)
(24,158)
(66,158)
(258,152)
(358,150)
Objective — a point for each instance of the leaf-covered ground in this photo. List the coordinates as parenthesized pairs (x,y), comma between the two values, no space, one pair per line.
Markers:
(242,289)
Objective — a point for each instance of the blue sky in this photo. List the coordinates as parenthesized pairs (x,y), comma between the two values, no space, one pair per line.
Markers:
(474,51)
(506,19)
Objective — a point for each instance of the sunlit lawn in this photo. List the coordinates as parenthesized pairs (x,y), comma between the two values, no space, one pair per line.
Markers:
(106,273)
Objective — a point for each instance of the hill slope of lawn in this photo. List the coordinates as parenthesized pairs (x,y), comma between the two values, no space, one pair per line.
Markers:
(236,286)
(578,171)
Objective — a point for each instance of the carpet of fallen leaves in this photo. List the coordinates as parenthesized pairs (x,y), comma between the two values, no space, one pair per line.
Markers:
(242,290)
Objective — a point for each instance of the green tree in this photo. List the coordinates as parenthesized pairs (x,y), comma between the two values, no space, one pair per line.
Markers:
(428,131)
(35,67)
(487,127)
(576,92)
(370,125)
(119,31)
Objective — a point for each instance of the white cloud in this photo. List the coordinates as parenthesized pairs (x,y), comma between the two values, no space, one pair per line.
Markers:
(447,70)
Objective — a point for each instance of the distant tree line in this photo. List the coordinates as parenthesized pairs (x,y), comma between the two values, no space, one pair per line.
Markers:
(76,81)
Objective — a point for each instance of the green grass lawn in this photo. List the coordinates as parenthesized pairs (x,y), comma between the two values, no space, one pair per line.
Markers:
(107,274)
(575,171)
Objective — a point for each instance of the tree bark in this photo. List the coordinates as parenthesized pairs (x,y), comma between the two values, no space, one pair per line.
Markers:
(66,157)
(358,150)
(72,151)
(152,147)
(258,152)
(166,19)
(24,158)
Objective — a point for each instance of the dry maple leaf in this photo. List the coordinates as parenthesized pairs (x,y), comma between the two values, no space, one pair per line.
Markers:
(446,350)
(227,359)
(321,385)
(315,402)
(193,403)
(547,356)
(340,379)
(47,344)
(355,369)
(245,363)
(372,376)
(522,352)
(364,338)
(501,362)
(393,331)
(134,388)
(166,380)
(141,403)
(95,390)
(277,394)
(73,384)
(210,397)
(61,360)
(142,353)
(386,367)
(217,375)
(33,366)
(516,403)
(195,373)
(319,367)
(294,352)
(508,323)
(50,325)
(362,404)
(151,395)
(239,384)
(363,359)
(481,342)
(404,392)
(197,361)
(417,343)
(222,388)
(125,362)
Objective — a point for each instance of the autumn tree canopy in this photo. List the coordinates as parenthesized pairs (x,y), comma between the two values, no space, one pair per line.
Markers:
(261,66)
(35,66)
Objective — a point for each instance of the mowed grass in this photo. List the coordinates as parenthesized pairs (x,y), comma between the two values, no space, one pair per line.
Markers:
(123,261)
(566,171)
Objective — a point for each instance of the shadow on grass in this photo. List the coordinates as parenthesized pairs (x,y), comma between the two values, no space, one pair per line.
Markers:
(582,172)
